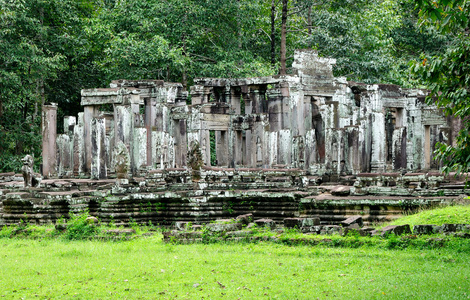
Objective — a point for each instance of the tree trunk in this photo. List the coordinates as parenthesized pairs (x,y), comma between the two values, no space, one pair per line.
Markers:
(273,33)
(309,21)
(283,69)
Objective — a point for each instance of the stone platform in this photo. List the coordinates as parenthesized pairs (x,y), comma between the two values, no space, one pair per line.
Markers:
(168,196)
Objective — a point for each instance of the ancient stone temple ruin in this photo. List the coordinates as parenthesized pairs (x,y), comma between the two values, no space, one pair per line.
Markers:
(281,146)
(309,121)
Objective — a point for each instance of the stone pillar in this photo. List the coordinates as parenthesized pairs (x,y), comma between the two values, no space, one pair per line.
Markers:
(150,123)
(235,101)
(378,142)
(90,112)
(49,144)
(98,148)
(122,124)
(255,101)
(139,149)
(65,147)
(221,141)
(180,144)
(79,147)
(237,147)
(427,147)
(275,113)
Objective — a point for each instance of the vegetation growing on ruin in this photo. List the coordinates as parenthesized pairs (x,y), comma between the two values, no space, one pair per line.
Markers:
(50,50)
(456,214)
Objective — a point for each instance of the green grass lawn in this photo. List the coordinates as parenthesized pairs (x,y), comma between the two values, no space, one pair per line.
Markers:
(456,214)
(146,268)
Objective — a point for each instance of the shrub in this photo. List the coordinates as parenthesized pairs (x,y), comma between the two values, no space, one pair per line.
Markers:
(79,228)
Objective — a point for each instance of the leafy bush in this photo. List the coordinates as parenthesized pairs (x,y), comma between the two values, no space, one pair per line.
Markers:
(78,227)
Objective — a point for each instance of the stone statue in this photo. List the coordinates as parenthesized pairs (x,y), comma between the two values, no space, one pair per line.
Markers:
(31,179)
(195,160)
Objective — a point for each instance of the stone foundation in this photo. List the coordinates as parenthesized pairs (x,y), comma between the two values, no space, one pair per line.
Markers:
(169,196)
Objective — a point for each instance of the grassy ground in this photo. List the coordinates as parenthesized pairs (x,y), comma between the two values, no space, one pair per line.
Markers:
(145,268)
(43,263)
(458,214)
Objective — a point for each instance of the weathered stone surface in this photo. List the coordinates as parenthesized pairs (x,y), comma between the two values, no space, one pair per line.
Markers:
(308,222)
(353,220)
(293,222)
(423,229)
(265,223)
(330,229)
(245,219)
(222,227)
(341,190)
(396,230)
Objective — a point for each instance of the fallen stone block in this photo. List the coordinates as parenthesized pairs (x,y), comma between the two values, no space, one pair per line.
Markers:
(423,229)
(396,230)
(265,223)
(311,229)
(245,219)
(330,229)
(347,230)
(310,222)
(222,227)
(293,222)
(353,220)
(341,190)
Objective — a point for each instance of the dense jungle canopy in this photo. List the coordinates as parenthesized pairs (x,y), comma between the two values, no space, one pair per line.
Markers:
(51,49)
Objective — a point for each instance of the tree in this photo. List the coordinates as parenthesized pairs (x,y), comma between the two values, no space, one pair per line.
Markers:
(448,75)
(38,44)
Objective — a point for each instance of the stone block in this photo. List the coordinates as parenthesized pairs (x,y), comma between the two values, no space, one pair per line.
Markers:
(265,223)
(353,220)
(310,222)
(348,230)
(223,227)
(293,222)
(449,228)
(396,230)
(181,225)
(423,229)
(330,229)
(245,219)
(341,190)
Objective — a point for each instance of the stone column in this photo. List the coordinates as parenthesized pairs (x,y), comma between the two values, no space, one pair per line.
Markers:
(427,147)
(90,112)
(49,144)
(150,123)
(378,142)
(78,147)
(98,148)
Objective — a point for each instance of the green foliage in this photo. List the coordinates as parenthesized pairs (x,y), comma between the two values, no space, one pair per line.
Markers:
(448,76)
(78,228)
